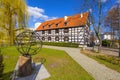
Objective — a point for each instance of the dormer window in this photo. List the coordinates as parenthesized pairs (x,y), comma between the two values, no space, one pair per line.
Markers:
(49,26)
(43,27)
(65,23)
(57,25)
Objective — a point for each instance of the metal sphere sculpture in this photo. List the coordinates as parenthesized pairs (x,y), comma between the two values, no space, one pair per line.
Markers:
(28,43)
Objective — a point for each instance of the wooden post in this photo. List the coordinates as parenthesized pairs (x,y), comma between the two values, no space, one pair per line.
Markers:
(25,66)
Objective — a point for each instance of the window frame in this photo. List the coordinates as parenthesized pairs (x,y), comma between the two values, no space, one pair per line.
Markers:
(66,38)
(49,31)
(49,38)
(43,38)
(56,30)
(65,23)
(43,32)
(66,30)
(57,38)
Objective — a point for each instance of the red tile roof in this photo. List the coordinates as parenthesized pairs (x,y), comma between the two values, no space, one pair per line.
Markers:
(72,21)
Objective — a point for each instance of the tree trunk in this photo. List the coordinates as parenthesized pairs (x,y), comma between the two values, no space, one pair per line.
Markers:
(99,25)
(11,30)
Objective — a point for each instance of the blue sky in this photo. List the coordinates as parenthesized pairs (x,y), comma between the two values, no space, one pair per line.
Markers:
(42,10)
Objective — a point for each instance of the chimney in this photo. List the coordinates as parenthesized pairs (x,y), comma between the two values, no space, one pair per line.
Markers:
(81,15)
(65,18)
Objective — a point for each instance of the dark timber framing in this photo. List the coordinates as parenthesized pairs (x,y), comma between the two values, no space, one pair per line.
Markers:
(81,32)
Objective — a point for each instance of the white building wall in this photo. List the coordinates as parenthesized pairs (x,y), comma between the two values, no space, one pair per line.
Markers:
(108,37)
(75,35)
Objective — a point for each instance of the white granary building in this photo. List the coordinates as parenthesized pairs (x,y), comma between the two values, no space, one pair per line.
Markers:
(72,29)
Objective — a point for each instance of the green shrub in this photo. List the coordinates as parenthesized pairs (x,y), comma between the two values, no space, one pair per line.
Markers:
(62,44)
(1,65)
(106,43)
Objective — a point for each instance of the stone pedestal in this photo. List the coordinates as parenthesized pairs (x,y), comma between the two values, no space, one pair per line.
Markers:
(24,66)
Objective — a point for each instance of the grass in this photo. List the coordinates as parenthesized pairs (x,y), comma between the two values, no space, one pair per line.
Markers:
(58,63)
(95,56)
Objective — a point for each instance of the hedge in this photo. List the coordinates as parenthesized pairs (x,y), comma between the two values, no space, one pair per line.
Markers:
(62,44)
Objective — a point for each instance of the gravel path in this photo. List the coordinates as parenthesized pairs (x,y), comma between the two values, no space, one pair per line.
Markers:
(98,71)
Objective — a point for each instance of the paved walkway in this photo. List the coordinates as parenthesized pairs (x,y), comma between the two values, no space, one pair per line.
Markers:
(98,71)
(40,73)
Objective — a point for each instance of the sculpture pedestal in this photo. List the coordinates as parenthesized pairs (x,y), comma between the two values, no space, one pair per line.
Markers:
(24,66)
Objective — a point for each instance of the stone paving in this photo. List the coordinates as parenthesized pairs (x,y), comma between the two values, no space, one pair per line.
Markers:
(40,73)
(98,71)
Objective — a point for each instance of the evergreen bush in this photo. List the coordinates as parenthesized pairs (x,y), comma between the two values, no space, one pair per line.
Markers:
(106,43)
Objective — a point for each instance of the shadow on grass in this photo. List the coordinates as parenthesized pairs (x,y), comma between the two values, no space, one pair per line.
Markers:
(6,76)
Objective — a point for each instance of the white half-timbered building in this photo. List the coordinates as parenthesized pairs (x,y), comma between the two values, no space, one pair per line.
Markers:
(72,29)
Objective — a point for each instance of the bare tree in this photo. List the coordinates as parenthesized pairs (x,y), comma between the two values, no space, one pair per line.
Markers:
(95,8)
(112,21)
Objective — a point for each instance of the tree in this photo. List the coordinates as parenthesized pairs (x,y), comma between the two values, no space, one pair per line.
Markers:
(13,17)
(95,8)
(112,18)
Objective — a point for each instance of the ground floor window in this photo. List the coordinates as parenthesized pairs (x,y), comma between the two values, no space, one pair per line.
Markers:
(43,38)
(56,38)
(66,38)
(43,32)
(49,38)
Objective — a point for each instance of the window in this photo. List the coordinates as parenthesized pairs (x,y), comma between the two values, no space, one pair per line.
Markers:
(43,27)
(49,38)
(57,31)
(65,23)
(49,31)
(66,30)
(66,38)
(57,25)
(49,26)
(43,38)
(43,32)
(56,38)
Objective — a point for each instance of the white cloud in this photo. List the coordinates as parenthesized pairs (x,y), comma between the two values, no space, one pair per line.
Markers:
(38,13)
(51,18)
(37,24)
(102,0)
(90,10)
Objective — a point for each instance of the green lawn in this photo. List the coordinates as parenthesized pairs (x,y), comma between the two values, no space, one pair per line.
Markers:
(58,64)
